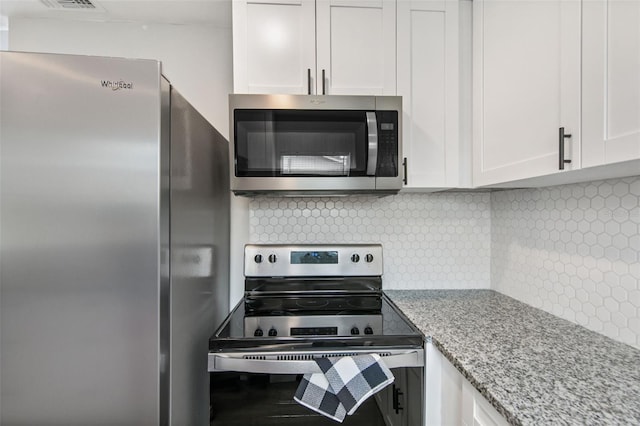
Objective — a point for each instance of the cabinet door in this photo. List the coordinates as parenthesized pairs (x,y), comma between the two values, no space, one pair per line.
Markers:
(477,411)
(356,41)
(443,390)
(413,398)
(428,81)
(526,86)
(451,399)
(391,417)
(273,46)
(382,398)
(611,82)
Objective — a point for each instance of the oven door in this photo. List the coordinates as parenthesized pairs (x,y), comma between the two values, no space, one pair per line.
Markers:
(257,388)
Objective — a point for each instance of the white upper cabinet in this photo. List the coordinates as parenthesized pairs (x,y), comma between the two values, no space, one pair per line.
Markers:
(287,46)
(356,47)
(418,49)
(429,81)
(274,47)
(611,82)
(526,87)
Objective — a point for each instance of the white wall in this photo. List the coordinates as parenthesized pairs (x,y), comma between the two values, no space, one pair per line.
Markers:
(4,33)
(195,58)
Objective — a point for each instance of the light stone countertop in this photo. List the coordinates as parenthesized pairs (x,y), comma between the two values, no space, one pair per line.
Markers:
(533,367)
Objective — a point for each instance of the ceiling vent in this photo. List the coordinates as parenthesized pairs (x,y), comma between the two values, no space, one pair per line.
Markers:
(70,4)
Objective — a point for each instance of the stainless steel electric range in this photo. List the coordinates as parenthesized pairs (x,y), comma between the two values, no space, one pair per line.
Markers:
(303,302)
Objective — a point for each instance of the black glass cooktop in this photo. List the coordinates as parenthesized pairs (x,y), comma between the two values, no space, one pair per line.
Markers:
(397,332)
(305,304)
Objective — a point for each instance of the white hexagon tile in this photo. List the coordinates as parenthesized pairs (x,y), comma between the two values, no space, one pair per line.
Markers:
(429,240)
(573,251)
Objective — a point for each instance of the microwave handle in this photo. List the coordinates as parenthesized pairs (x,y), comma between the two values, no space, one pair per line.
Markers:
(372,134)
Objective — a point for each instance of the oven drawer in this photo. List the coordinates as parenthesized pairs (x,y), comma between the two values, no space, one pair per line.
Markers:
(303,362)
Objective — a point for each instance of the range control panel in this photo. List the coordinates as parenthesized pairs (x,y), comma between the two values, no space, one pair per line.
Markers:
(312,260)
(319,325)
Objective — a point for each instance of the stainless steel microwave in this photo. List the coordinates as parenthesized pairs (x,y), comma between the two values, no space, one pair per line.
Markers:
(315,145)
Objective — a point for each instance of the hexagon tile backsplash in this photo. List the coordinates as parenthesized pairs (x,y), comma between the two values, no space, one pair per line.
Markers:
(429,240)
(572,251)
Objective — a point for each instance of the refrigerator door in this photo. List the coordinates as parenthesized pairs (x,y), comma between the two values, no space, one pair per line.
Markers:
(79,240)
(200,199)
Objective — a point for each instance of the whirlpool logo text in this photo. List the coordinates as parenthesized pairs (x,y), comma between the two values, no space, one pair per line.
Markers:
(116,85)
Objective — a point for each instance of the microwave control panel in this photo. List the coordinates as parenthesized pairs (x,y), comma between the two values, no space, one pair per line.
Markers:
(387,143)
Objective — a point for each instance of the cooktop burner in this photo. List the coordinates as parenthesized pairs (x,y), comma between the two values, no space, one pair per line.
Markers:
(364,303)
(310,304)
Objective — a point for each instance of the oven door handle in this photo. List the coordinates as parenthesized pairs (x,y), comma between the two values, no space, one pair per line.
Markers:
(372,144)
(229,362)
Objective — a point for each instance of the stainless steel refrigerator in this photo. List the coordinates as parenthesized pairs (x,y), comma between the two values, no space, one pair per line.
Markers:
(114,244)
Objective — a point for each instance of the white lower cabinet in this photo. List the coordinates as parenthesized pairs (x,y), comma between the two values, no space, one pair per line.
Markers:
(476,410)
(451,400)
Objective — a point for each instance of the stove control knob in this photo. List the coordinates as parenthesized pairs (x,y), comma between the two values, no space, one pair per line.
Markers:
(258,332)
(368,330)
(258,258)
(355,258)
(272,258)
(355,330)
(273,332)
(368,258)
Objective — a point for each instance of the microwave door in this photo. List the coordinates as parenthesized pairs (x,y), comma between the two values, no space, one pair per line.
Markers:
(372,146)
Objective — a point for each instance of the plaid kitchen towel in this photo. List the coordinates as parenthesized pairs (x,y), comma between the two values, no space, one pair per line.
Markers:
(344,384)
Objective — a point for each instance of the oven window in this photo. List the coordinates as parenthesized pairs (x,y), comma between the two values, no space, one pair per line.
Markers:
(300,143)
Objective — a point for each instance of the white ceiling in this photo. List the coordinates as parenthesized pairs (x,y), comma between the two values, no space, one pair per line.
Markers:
(208,12)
